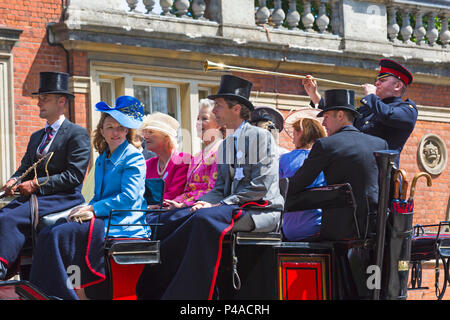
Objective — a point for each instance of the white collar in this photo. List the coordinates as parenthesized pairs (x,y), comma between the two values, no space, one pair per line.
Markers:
(57,124)
(237,133)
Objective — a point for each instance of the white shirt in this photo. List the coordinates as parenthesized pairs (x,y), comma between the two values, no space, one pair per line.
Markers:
(237,134)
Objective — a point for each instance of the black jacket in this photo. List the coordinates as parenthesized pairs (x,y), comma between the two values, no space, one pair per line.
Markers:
(346,156)
(391,119)
(68,165)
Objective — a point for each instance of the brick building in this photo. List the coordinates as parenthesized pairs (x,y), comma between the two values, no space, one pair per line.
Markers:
(112,47)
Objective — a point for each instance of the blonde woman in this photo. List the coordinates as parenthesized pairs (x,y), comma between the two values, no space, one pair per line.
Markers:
(119,184)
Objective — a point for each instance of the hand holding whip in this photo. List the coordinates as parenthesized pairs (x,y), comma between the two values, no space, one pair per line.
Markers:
(31,186)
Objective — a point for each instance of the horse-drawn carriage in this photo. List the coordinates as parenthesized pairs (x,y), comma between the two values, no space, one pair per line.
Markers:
(265,266)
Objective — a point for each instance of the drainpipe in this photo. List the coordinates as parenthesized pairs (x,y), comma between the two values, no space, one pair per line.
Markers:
(51,41)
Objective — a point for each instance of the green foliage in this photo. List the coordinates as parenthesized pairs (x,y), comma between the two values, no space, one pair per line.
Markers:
(174,10)
(412,22)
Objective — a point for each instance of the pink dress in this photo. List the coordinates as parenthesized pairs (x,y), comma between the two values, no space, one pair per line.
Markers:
(202,175)
(174,175)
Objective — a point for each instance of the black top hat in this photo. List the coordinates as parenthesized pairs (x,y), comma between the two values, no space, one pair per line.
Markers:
(339,99)
(54,83)
(267,114)
(235,88)
(395,69)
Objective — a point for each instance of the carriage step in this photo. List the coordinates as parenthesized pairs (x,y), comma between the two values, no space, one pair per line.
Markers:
(135,252)
(258,238)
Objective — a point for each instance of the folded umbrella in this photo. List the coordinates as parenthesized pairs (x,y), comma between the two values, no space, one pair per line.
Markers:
(410,202)
(399,202)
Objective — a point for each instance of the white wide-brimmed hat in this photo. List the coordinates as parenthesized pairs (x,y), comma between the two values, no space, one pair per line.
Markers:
(161,122)
(302,113)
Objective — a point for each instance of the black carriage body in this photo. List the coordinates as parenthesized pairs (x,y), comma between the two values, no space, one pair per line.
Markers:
(263,267)
(285,271)
(296,271)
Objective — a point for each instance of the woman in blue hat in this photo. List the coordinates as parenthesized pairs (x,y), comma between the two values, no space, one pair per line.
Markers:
(69,256)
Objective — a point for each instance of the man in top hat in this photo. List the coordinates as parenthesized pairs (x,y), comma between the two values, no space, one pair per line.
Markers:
(247,176)
(345,156)
(383,112)
(56,186)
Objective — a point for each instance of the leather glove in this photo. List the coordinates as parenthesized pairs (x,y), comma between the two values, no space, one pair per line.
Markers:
(8,187)
(82,213)
(27,188)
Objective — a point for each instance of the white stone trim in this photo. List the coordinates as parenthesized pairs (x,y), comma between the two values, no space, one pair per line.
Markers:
(7,119)
(78,84)
(437,114)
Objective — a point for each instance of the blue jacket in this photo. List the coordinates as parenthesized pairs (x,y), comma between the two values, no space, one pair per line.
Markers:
(120,184)
(391,119)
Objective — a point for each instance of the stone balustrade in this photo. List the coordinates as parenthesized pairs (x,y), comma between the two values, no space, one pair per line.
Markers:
(195,9)
(344,33)
(308,15)
(410,20)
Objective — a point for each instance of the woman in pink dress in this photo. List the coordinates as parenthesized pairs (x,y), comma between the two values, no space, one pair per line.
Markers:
(202,173)
(160,133)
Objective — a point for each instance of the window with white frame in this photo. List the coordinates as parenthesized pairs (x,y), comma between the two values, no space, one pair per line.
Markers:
(7,134)
(107,91)
(203,92)
(157,97)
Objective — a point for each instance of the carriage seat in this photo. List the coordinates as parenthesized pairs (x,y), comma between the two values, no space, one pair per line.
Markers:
(52,219)
(263,238)
(427,246)
(327,197)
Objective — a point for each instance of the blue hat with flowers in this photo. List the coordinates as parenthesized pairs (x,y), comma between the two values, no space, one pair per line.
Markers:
(129,111)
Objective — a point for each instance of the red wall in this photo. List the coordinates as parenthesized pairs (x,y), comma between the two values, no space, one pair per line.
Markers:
(31,55)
